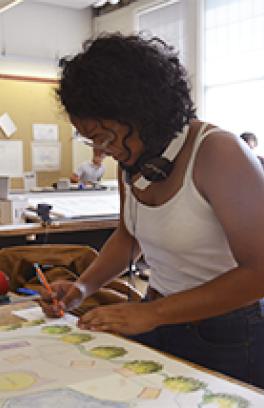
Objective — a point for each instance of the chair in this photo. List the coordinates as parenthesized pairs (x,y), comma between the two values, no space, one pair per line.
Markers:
(61,261)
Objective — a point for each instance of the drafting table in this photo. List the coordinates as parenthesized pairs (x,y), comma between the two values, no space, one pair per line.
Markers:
(51,364)
(78,204)
(81,217)
(93,232)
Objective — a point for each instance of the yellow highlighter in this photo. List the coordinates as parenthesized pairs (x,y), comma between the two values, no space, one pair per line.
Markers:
(45,283)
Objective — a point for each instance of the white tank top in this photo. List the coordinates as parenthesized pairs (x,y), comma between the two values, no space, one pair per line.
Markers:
(182,240)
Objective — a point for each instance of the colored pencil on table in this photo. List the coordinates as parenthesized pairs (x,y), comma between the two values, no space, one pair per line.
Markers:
(45,283)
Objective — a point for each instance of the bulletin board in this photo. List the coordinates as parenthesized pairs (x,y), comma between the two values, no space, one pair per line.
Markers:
(30,101)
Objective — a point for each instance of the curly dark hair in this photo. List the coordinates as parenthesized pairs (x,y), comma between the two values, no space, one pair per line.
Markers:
(130,79)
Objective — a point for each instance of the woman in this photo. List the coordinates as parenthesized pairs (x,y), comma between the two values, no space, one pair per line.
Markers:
(183,204)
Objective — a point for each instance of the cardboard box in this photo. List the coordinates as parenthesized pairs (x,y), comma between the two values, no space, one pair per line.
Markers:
(11,211)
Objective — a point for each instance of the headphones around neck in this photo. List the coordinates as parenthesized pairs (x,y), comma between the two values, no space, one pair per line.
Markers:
(156,168)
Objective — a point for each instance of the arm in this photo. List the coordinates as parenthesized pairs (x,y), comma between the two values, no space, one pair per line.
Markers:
(111,262)
(235,190)
(114,256)
(77,174)
(74,178)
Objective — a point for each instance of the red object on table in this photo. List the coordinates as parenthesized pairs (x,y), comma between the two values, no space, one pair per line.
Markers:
(4,283)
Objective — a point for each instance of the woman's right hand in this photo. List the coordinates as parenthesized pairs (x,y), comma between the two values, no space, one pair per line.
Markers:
(65,296)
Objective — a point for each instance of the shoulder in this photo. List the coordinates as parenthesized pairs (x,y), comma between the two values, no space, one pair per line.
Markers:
(209,140)
(224,163)
(224,149)
(85,165)
(221,141)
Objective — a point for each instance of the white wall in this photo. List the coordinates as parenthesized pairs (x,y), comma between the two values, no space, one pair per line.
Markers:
(125,20)
(34,36)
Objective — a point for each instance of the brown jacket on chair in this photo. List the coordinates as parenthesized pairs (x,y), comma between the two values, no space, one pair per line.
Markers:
(60,262)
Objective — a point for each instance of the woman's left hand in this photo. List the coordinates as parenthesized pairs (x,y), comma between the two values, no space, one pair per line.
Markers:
(123,318)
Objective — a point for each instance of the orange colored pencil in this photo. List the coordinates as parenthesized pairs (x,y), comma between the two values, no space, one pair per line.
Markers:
(42,278)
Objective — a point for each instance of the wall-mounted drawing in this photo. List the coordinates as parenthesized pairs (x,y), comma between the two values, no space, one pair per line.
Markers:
(46,156)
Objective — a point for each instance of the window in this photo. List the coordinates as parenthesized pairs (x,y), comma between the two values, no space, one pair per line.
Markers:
(234,65)
(166,22)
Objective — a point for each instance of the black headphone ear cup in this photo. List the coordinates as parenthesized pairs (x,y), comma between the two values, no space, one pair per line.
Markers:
(156,169)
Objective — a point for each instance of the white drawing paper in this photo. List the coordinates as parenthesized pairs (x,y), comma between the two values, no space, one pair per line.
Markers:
(11,153)
(46,156)
(7,125)
(36,313)
(30,180)
(45,133)
(82,206)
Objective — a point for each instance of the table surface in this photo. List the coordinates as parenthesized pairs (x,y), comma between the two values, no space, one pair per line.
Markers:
(71,211)
(87,224)
(6,317)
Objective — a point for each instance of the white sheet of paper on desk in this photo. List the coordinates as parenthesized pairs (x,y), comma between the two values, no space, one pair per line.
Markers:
(36,313)
(45,133)
(71,207)
(7,125)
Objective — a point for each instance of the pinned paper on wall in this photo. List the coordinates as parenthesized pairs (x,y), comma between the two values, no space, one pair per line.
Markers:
(45,132)
(7,125)
(46,156)
(30,180)
(11,152)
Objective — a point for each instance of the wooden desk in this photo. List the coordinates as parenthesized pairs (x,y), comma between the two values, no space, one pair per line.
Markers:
(81,217)
(89,231)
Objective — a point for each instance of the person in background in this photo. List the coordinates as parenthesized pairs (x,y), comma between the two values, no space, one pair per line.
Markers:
(184,204)
(252,141)
(90,172)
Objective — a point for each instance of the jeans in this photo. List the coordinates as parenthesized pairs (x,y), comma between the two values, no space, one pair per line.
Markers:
(232,344)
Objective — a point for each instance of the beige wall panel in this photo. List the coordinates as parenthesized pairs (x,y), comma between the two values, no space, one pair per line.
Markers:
(29,102)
